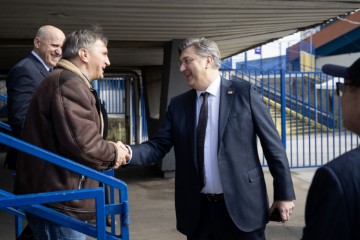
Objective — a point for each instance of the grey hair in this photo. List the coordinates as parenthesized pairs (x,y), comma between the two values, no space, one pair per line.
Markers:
(204,47)
(83,38)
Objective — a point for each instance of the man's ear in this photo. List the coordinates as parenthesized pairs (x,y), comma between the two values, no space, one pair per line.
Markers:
(37,42)
(84,54)
(209,60)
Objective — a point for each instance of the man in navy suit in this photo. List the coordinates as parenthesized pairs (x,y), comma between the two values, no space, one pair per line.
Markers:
(229,200)
(22,81)
(26,75)
(333,203)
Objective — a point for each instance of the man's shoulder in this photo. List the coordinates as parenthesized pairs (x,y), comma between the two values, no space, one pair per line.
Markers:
(239,88)
(344,166)
(25,63)
(67,75)
(349,158)
(30,59)
(183,99)
(238,84)
(185,95)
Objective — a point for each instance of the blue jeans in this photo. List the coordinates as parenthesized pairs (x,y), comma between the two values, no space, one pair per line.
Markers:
(44,229)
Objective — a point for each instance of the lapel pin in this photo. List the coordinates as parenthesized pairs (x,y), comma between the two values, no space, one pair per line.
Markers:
(230,91)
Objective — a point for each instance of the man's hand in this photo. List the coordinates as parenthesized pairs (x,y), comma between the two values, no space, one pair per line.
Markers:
(123,155)
(285,208)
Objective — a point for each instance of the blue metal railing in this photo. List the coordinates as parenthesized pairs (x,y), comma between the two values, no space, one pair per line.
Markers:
(2,124)
(265,81)
(17,204)
(3,97)
(313,133)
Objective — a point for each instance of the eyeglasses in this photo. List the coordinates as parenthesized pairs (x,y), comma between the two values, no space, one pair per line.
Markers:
(340,88)
(186,60)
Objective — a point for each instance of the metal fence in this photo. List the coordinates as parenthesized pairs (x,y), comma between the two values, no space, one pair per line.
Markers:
(306,111)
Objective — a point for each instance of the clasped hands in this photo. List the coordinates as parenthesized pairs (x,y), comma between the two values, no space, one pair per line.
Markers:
(123,155)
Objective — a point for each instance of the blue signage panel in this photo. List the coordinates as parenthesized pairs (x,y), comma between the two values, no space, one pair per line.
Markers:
(257,50)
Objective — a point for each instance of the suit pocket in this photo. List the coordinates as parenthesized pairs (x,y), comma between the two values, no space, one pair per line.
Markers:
(255,174)
(235,117)
(236,122)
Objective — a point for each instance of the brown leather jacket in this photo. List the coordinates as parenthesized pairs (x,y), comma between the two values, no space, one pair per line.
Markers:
(64,117)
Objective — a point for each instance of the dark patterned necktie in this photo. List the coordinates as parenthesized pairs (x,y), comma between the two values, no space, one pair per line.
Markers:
(200,137)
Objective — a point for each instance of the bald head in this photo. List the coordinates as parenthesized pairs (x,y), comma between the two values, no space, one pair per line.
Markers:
(48,43)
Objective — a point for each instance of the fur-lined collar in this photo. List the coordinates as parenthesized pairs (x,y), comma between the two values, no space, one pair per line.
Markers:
(72,68)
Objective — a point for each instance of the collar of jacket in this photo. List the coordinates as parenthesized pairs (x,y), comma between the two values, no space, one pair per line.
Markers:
(72,68)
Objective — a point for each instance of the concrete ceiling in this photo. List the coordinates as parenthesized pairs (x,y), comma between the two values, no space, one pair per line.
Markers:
(138,29)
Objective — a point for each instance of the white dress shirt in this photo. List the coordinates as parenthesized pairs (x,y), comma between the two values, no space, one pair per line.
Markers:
(212,175)
(40,59)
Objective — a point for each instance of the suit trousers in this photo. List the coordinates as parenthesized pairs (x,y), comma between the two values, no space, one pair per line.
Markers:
(216,224)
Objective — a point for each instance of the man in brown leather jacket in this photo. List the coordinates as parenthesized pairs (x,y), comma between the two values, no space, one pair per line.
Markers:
(64,117)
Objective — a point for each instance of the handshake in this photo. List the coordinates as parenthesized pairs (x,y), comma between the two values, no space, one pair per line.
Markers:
(123,154)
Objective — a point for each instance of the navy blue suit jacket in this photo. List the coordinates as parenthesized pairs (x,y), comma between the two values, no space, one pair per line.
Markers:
(333,204)
(243,117)
(21,83)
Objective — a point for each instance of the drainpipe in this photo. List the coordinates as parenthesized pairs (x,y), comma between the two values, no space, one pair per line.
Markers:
(132,107)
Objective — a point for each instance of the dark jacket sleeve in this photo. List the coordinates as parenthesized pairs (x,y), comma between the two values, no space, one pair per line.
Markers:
(272,147)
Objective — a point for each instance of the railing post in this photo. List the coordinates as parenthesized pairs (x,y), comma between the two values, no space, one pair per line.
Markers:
(18,226)
(283,106)
(100,216)
(125,221)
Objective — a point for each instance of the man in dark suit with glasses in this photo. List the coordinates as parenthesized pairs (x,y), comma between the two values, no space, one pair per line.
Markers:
(333,204)
(220,192)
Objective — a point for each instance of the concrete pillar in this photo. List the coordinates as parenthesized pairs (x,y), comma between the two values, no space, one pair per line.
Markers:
(151,77)
(172,84)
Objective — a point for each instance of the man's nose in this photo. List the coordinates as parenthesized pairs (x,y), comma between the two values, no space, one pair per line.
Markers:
(182,67)
(58,51)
